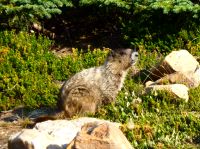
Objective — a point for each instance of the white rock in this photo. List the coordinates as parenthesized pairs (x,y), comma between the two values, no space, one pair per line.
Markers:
(181,61)
(178,90)
(31,139)
(177,61)
(51,134)
(197,76)
(148,83)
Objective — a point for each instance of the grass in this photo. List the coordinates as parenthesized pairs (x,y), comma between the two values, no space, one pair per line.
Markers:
(156,120)
(29,71)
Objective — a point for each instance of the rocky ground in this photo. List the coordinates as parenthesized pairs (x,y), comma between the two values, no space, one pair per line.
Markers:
(13,121)
(9,125)
(6,130)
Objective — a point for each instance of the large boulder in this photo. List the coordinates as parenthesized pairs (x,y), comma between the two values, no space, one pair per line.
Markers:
(178,72)
(176,61)
(103,136)
(53,134)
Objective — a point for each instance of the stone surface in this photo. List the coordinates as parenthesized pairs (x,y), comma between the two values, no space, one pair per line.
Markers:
(103,136)
(32,139)
(190,79)
(51,134)
(178,90)
(148,83)
(181,61)
(176,61)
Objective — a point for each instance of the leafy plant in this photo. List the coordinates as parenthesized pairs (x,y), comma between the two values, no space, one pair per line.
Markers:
(29,71)
(157,119)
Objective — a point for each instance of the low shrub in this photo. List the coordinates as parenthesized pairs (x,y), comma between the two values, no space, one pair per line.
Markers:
(156,120)
(29,70)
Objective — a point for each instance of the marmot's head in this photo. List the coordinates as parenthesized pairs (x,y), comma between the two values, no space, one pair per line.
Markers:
(122,58)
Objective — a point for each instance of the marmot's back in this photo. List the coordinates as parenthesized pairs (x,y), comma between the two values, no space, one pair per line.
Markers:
(80,94)
(87,90)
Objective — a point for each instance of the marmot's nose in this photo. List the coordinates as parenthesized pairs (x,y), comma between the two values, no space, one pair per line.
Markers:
(136,54)
(134,57)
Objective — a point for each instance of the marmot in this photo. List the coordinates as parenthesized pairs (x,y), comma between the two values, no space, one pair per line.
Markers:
(87,90)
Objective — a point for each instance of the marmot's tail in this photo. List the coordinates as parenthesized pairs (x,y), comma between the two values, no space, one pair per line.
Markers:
(44,118)
(58,115)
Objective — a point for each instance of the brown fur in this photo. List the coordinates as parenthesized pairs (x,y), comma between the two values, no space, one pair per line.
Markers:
(87,90)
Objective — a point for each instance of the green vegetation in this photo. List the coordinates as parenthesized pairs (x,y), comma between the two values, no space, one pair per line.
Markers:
(156,120)
(28,76)
(156,25)
(30,72)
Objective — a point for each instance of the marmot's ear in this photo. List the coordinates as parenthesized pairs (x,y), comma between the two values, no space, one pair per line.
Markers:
(112,53)
(197,69)
(136,49)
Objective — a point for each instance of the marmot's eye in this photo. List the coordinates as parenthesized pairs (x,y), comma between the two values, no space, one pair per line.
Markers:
(121,53)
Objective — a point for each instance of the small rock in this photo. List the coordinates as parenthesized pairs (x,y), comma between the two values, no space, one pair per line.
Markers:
(130,125)
(137,100)
(103,136)
(190,79)
(148,83)
(179,90)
